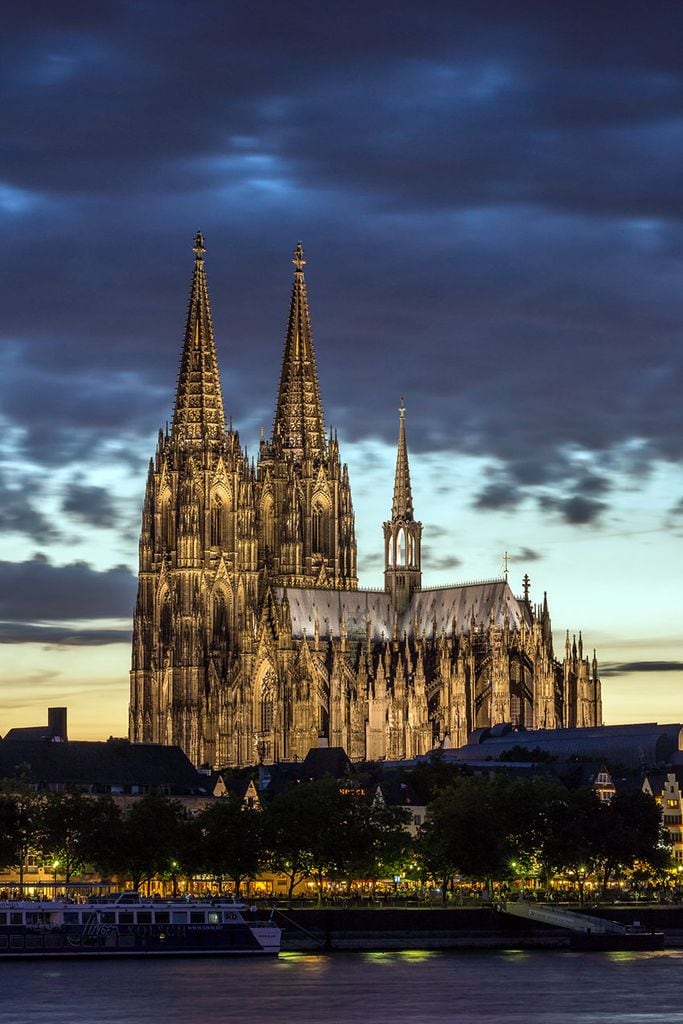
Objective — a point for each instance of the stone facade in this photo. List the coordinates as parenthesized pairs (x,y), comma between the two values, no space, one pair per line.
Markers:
(252,641)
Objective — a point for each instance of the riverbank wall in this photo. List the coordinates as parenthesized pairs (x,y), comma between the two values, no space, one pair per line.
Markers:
(448,928)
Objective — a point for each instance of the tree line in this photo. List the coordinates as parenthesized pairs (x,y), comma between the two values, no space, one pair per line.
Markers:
(478,828)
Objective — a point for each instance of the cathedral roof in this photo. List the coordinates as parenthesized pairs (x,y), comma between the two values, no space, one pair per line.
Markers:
(402,505)
(198,413)
(299,425)
(441,609)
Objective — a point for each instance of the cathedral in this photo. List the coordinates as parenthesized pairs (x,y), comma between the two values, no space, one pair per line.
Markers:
(252,641)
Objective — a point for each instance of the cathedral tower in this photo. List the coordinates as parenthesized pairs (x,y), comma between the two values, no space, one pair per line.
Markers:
(307,526)
(198,551)
(402,533)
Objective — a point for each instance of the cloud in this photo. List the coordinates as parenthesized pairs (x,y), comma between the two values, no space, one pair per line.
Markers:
(35,591)
(462,249)
(577,510)
(92,505)
(19,494)
(433,561)
(625,668)
(525,555)
(26,633)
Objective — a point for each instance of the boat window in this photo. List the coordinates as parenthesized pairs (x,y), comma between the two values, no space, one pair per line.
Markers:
(197,917)
(108,917)
(230,915)
(3,918)
(144,917)
(126,917)
(161,917)
(179,916)
(16,917)
(214,917)
(71,917)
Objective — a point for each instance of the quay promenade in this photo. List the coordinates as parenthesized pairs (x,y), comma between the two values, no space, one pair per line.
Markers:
(394,928)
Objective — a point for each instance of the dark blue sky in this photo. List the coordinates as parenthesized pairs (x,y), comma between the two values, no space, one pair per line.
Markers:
(490,201)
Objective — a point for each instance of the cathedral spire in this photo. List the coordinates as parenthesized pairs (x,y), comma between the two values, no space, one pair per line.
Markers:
(198,414)
(299,425)
(402,505)
(402,534)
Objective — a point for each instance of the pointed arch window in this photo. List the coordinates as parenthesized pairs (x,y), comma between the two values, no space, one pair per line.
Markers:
(220,621)
(216,522)
(268,518)
(267,713)
(401,547)
(165,625)
(266,705)
(320,529)
(166,524)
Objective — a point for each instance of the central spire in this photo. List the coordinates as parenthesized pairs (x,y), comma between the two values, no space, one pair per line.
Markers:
(402,534)
(402,505)
(198,414)
(299,425)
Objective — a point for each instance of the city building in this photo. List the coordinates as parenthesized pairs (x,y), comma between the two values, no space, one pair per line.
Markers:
(667,789)
(252,639)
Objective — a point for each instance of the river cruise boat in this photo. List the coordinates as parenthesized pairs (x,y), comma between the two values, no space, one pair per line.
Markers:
(127,924)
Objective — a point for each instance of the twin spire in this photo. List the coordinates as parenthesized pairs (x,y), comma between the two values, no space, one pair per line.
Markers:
(299,426)
(198,414)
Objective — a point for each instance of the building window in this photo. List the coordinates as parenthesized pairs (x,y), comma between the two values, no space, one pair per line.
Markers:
(216,523)
(269,526)
(400,548)
(266,713)
(166,524)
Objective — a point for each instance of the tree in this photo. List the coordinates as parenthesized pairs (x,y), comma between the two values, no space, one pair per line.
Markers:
(152,836)
(631,832)
(63,822)
(575,841)
(10,847)
(325,828)
(288,824)
(230,838)
(463,834)
(24,821)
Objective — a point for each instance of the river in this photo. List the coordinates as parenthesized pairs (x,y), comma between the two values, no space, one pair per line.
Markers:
(372,988)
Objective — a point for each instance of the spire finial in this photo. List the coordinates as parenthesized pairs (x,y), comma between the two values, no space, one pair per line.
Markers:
(199,248)
(298,258)
(402,408)
(506,559)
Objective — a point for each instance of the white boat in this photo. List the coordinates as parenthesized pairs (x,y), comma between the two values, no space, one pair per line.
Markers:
(127,924)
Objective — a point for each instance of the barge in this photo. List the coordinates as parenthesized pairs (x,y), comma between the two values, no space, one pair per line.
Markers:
(126,924)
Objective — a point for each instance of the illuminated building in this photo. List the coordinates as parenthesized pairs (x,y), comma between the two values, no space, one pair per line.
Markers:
(252,640)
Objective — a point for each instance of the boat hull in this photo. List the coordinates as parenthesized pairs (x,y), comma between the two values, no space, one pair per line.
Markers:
(139,940)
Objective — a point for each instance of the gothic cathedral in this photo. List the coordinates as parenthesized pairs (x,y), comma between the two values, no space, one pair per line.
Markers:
(252,640)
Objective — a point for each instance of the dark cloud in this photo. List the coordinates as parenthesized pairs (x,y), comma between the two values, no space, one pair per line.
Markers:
(25,633)
(525,555)
(578,510)
(92,505)
(20,498)
(498,494)
(624,668)
(431,560)
(36,591)
(489,198)
(368,563)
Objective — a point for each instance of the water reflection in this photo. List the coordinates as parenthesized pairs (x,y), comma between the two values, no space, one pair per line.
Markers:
(410,987)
